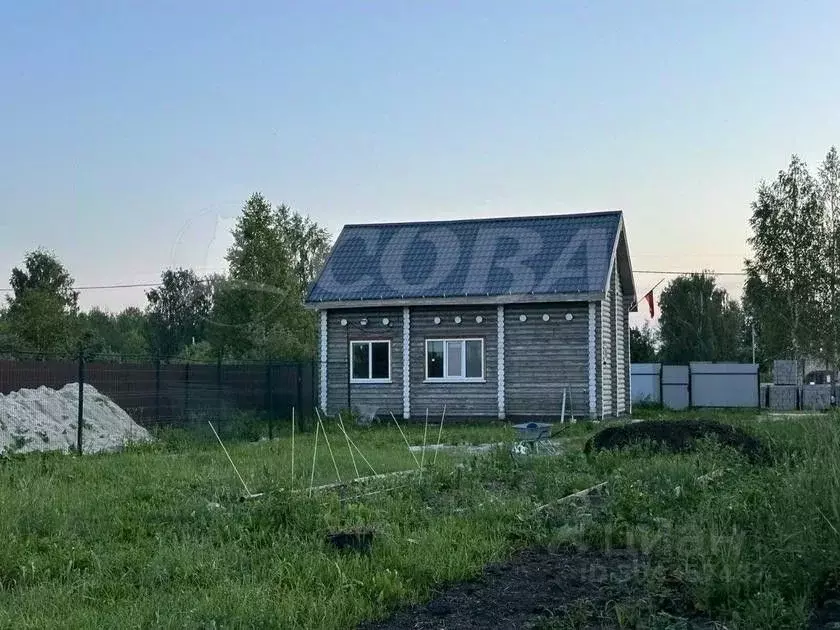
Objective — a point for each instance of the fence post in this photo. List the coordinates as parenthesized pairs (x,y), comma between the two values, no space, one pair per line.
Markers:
(661,385)
(157,391)
(269,399)
(187,391)
(690,395)
(299,393)
(81,418)
(315,388)
(219,389)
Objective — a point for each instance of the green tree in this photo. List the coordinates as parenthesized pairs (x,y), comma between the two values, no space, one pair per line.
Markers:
(828,182)
(131,325)
(115,337)
(42,308)
(786,278)
(228,329)
(699,321)
(177,312)
(643,345)
(258,308)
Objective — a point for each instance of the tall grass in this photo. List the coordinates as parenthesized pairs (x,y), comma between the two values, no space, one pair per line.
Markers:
(159,536)
(753,546)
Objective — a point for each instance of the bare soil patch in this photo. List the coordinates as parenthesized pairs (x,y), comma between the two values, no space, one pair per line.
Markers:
(532,588)
(826,613)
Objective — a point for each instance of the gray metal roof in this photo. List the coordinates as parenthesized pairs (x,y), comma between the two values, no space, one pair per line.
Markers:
(537,257)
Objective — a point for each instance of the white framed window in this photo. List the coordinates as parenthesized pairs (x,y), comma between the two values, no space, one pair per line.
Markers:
(455,360)
(370,361)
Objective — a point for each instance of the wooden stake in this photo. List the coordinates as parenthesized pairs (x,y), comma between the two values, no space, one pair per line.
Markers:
(329,448)
(293,447)
(406,440)
(440,434)
(575,495)
(423,452)
(314,453)
(349,447)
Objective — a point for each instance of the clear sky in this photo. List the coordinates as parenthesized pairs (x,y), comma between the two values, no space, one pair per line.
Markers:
(133,131)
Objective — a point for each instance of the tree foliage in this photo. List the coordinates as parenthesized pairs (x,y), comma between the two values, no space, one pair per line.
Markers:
(258,309)
(254,312)
(699,321)
(643,344)
(177,312)
(119,336)
(828,183)
(792,290)
(41,311)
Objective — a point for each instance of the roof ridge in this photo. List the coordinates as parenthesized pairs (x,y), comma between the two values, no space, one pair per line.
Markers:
(530,217)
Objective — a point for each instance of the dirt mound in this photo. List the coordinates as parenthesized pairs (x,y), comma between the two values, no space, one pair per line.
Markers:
(678,436)
(541,588)
(534,586)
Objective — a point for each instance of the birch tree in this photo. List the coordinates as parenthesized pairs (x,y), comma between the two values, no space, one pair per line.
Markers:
(783,291)
(828,179)
(258,309)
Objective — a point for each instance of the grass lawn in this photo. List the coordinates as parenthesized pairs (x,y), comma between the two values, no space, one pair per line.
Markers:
(157,536)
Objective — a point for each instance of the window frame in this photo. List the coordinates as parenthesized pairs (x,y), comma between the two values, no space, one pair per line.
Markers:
(454,379)
(354,380)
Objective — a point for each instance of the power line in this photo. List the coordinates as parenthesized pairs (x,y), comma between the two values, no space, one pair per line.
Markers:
(150,285)
(145,285)
(684,273)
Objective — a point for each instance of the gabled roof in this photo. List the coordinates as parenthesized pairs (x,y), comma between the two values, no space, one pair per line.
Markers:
(538,258)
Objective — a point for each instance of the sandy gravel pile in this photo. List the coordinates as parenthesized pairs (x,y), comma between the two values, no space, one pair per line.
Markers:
(44,419)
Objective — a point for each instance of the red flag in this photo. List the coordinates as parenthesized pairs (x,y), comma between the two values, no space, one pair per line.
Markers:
(649,298)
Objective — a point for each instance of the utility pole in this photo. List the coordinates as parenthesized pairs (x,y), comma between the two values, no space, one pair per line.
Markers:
(752,330)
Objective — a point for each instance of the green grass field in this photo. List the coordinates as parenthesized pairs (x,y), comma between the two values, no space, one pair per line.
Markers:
(158,536)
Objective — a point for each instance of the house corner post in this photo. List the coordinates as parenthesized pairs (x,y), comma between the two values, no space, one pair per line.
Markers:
(500,361)
(406,367)
(618,348)
(323,336)
(593,398)
(629,364)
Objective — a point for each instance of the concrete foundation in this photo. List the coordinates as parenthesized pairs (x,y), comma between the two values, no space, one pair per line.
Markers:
(783,397)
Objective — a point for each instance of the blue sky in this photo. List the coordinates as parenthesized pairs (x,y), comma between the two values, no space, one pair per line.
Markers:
(133,131)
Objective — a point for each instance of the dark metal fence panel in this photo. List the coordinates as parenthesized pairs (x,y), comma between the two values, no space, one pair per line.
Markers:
(153,393)
(131,385)
(31,374)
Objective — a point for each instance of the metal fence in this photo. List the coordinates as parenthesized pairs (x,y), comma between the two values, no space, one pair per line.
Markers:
(696,385)
(155,393)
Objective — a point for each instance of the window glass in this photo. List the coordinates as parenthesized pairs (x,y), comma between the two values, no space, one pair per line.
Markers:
(361,360)
(454,352)
(379,368)
(434,359)
(474,359)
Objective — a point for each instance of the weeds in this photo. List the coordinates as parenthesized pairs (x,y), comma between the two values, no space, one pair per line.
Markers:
(158,535)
